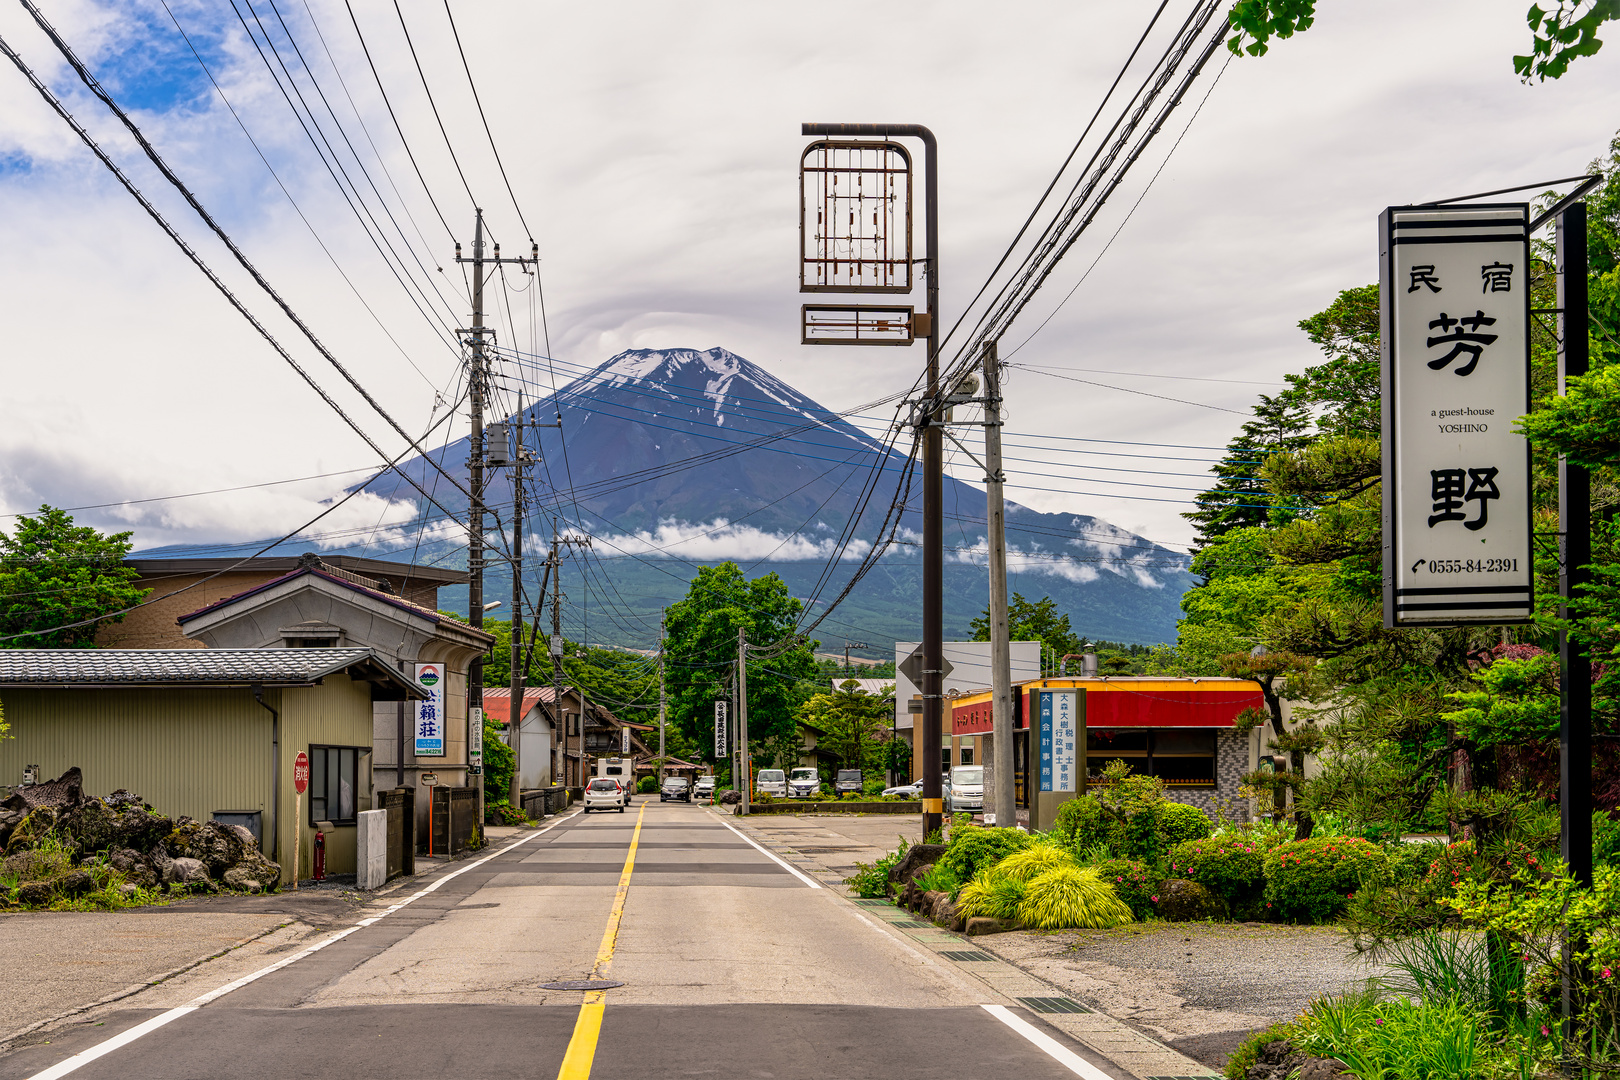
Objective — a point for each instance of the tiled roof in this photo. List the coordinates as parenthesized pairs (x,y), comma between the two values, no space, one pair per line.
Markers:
(169,667)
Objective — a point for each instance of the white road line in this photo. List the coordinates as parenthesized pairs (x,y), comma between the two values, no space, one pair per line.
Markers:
(1054,1049)
(768,855)
(85,1057)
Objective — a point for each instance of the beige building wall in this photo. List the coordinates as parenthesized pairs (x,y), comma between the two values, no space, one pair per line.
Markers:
(156,626)
(336,713)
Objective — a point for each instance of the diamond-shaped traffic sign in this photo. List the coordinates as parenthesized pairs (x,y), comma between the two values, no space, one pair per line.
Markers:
(912,667)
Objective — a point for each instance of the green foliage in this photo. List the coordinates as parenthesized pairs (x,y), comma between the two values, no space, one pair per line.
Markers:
(1068,897)
(974,848)
(498,764)
(703,628)
(1557,36)
(54,574)
(647,785)
(939,879)
(1033,621)
(871,880)
(1232,867)
(1311,880)
(1179,823)
(1584,424)
(1427,1041)
(1080,823)
(1605,838)
(1516,703)
(1135,883)
(991,895)
(1032,861)
(853,725)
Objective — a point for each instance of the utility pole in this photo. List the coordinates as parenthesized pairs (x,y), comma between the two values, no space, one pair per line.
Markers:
(848,645)
(742,717)
(1006,804)
(929,419)
(662,699)
(515,712)
(1574,523)
(477,343)
(554,647)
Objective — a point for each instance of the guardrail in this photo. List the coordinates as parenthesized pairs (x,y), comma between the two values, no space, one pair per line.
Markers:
(834,806)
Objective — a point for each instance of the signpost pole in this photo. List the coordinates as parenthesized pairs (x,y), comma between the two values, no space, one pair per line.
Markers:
(300,785)
(742,719)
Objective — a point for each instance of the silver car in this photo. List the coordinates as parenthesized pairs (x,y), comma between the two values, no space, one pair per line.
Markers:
(966,791)
(771,782)
(804,783)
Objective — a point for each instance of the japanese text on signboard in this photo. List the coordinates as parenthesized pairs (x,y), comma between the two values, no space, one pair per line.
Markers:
(430,717)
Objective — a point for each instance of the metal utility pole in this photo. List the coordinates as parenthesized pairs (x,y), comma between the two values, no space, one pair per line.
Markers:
(933,606)
(742,718)
(1574,523)
(1006,804)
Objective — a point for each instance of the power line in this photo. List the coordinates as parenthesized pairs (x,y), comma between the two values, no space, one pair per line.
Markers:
(456,34)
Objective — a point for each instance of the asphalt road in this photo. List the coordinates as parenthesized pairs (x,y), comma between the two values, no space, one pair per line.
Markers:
(731,964)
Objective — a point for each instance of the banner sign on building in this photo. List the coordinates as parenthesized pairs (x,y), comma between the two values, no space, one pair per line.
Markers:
(624,741)
(1455,320)
(430,713)
(720,730)
(475,738)
(1059,732)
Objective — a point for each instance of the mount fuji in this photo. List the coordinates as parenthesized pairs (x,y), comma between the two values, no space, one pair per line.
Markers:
(677,458)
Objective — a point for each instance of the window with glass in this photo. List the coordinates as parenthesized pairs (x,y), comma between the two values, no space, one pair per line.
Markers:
(332,784)
(1181,757)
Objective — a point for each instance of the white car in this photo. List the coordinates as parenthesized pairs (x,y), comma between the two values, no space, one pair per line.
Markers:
(804,784)
(966,791)
(913,790)
(604,793)
(704,788)
(771,782)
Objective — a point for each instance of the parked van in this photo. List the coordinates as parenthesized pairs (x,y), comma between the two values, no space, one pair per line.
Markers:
(771,782)
(967,788)
(804,784)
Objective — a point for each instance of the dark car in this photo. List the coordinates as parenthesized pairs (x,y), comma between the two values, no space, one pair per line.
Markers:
(675,787)
(847,780)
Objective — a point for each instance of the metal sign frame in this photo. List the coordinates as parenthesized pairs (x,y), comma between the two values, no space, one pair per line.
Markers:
(1434,421)
(882,324)
(876,262)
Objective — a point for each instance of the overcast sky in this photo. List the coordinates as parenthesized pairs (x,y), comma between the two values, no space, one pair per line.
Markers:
(653,150)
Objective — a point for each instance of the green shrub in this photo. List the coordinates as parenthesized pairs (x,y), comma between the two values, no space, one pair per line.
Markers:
(871,880)
(939,879)
(1310,880)
(974,848)
(1032,861)
(1180,823)
(1067,897)
(647,785)
(1605,838)
(1134,883)
(990,895)
(1080,823)
(1232,867)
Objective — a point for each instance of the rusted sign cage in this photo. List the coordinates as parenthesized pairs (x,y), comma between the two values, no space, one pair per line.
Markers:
(855,324)
(855,217)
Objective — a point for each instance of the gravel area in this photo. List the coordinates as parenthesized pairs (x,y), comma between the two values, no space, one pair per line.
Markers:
(1199,987)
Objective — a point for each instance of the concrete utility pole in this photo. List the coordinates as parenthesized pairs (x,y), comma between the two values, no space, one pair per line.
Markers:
(477,387)
(554,647)
(1006,805)
(515,713)
(747,784)
(662,699)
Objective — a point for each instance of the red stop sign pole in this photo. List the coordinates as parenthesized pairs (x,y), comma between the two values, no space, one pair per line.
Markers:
(300,785)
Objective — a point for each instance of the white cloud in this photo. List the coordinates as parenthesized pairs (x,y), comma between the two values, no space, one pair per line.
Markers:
(720,539)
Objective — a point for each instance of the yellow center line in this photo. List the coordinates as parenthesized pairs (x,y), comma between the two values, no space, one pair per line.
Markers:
(576,1064)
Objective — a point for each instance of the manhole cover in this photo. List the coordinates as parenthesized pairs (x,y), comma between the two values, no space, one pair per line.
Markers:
(581,984)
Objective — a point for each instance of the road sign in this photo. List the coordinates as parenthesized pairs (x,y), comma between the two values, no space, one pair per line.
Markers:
(301,772)
(430,717)
(912,667)
(1455,295)
(430,779)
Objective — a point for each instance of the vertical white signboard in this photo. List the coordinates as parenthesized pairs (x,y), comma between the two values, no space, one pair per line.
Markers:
(430,713)
(720,730)
(1455,297)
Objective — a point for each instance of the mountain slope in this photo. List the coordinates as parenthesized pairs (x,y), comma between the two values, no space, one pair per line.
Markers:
(680,457)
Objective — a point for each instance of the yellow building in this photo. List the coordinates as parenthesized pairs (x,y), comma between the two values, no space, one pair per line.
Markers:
(207,733)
